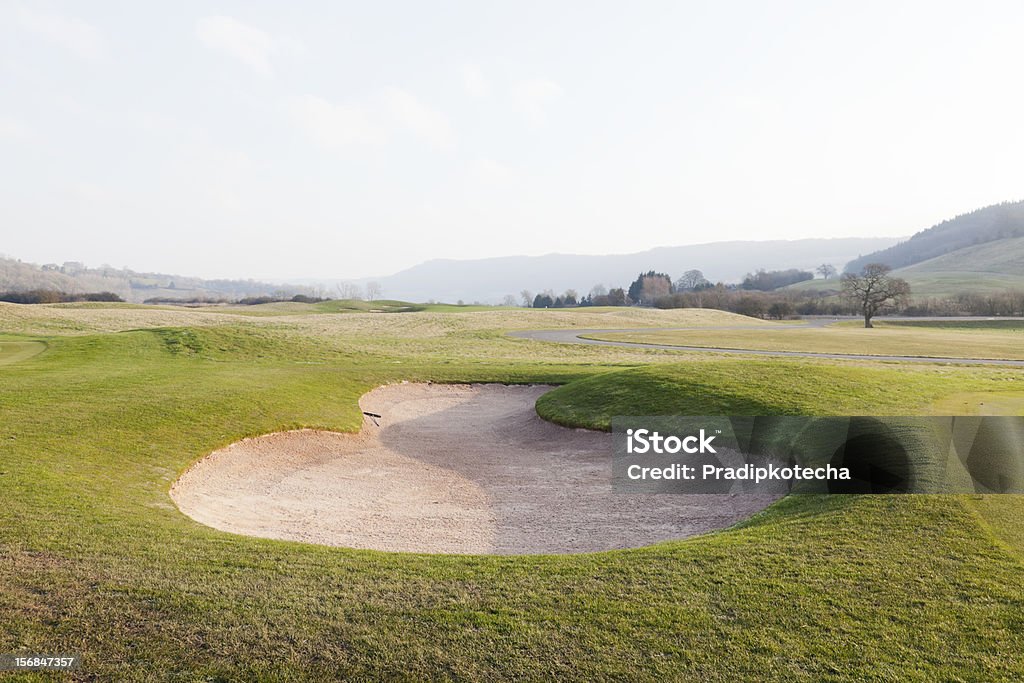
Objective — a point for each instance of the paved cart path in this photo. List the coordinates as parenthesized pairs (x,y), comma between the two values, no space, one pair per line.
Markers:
(576,336)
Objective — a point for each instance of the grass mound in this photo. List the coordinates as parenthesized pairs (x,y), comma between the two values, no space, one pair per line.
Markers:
(764,387)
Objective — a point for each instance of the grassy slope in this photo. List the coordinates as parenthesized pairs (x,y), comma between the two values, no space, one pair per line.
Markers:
(94,558)
(988,268)
(898,340)
(767,387)
(984,268)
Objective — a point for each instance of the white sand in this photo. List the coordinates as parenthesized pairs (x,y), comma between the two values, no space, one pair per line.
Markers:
(450,469)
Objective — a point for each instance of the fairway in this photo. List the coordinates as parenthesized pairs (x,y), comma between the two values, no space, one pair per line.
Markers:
(96,558)
(896,339)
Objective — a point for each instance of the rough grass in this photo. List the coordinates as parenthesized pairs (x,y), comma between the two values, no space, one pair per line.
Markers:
(95,559)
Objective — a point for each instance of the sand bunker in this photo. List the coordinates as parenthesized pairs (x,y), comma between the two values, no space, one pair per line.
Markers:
(449,469)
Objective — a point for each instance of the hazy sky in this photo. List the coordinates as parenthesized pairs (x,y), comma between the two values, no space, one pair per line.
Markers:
(331,139)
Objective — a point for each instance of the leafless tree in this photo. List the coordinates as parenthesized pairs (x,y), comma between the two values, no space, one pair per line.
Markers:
(690,280)
(598,290)
(373,290)
(527,297)
(653,288)
(509,300)
(826,270)
(874,290)
(349,290)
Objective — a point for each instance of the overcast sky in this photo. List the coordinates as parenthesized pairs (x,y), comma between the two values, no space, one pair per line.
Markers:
(330,139)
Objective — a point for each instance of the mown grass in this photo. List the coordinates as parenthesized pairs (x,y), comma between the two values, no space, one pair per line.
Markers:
(1003,324)
(15,351)
(770,387)
(884,340)
(94,558)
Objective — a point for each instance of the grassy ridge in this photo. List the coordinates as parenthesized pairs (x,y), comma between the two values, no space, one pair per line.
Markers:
(94,557)
(767,387)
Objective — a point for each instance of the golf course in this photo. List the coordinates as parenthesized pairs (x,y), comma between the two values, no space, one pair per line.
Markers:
(104,408)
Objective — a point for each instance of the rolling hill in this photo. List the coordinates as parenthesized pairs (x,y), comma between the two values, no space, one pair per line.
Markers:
(488,280)
(989,224)
(981,252)
(980,269)
(74,277)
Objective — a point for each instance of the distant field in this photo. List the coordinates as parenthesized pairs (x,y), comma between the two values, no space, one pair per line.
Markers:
(95,558)
(897,339)
(952,324)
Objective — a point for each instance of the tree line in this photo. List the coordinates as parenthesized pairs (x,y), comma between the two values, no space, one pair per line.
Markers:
(871,291)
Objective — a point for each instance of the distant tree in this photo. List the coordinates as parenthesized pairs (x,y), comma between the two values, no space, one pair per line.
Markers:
(654,288)
(753,306)
(617,297)
(874,290)
(543,300)
(767,280)
(691,280)
(373,290)
(780,310)
(509,300)
(826,270)
(527,297)
(598,290)
(647,287)
(349,290)
(569,298)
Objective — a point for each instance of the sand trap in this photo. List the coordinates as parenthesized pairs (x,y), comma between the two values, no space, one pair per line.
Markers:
(450,469)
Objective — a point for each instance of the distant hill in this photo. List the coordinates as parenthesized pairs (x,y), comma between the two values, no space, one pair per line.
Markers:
(985,268)
(488,280)
(992,223)
(480,280)
(74,277)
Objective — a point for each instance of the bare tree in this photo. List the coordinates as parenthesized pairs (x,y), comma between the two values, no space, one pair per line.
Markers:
(509,300)
(373,290)
(598,290)
(874,290)
(826,270)
(653,288)
(691,280)
(527,297)
(348,290)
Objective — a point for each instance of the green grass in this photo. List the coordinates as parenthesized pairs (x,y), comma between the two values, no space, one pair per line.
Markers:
(886,339)
(769,387)
(989,268)
(94,558)
(16,351)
